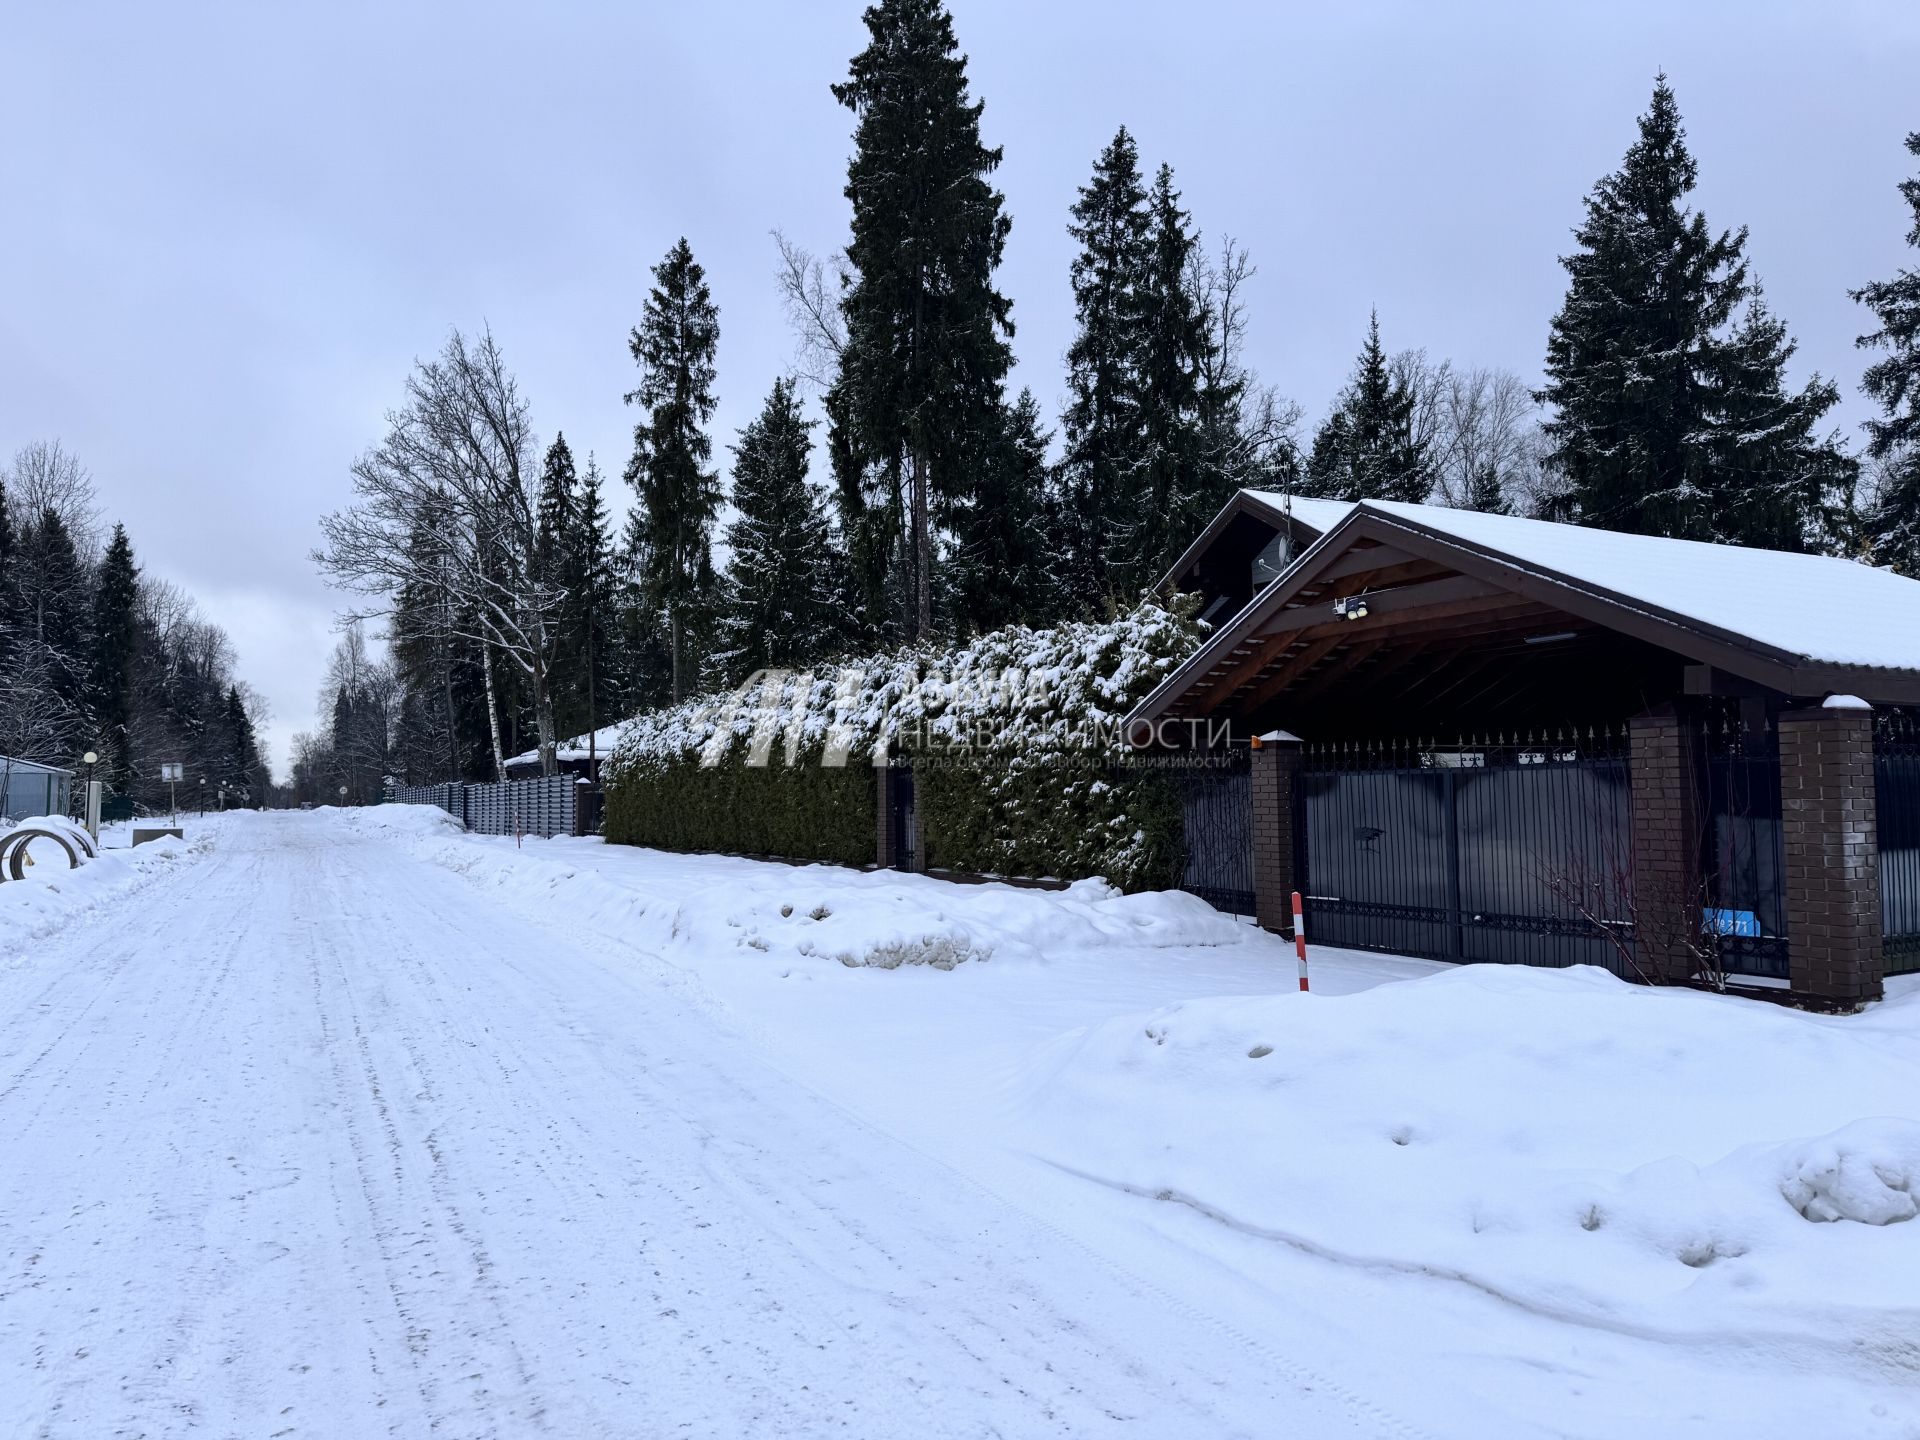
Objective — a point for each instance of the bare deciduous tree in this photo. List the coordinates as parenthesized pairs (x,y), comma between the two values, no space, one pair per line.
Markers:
(447,509)
(1257,440)
(810,289)
(44,476)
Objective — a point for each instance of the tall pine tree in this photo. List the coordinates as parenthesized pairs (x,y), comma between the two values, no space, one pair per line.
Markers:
(926,352)
(1175,346)
(116,597)
(1772,481)
(674,345)
(1672,414)
(1104,462)
(1007,566)
(1893,439)
(590,611)
(558,562)
(1367,449)
(781,602)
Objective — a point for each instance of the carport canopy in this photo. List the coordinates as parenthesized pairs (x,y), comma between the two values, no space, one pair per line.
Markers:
(1402,619)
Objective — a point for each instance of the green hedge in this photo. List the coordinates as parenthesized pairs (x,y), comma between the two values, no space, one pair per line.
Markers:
(1004,815)
(805,813)
(1013,738)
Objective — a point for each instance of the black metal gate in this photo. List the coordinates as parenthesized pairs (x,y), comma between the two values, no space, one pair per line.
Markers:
(1896,773)
(1216,812)
(1742,844)
(1514,851)
(905,852)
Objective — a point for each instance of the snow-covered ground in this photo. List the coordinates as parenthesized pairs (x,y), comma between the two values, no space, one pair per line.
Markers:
(347,1123)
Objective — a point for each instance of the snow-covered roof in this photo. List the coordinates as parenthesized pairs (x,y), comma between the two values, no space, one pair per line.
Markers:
(1827,610)
(1831,611)
(1778,618)
(1321,515)
(604,739)
(8,762)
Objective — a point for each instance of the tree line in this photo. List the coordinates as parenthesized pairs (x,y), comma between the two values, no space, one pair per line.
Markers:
(517,617)
(97,656)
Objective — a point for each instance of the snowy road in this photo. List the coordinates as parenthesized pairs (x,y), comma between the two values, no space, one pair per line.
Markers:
(313,1139)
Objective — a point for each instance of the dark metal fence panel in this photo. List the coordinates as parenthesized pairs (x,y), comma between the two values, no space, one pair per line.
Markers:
(1743,845)
(1896,773)
(906,855)
(1516,853)
(1216,811)
(545,806)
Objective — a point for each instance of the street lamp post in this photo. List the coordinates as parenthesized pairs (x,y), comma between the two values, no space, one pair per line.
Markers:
(92,758)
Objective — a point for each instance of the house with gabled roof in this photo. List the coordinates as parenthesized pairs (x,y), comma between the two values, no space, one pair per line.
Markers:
(1498,738)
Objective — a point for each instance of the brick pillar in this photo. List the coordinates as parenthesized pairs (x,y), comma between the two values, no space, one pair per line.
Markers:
(1665,848)
(1834,943)
(1276,768)
(883,853)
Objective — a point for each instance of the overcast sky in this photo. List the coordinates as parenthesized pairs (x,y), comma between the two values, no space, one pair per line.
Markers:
(229,229)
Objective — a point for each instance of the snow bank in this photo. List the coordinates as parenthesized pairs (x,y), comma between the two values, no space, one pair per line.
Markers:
(1648,1160)
(50,899)
(852,918)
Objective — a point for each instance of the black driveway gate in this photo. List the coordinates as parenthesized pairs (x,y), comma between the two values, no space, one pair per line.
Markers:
(1513,850)
(1896,769)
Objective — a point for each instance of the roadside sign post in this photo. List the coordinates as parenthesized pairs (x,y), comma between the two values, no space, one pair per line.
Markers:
(172,771)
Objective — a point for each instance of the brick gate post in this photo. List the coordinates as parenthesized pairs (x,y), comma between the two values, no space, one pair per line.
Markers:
(1829,819)
(1276,770)
(1665,847)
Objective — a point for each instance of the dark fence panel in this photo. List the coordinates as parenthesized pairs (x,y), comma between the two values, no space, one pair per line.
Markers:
(1216,811)
(1896,773)
(1515,853)
(546,806)
(1743,854)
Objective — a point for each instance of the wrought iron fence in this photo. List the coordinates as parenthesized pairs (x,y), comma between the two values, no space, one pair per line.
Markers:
(906,851)
(1216,812)
(1742,843)
(1896,773)
(1506,848)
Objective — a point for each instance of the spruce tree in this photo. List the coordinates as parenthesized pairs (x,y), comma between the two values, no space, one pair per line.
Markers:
(1771,481)
(590,599)
(1485,492)
(56,615)
(1366,449)
(674,345)
(1104,461)
(926,352)
(247,771)
(9,588)
(557,502)
(1175,346)
(110,674)
(1893,440)
(1007,564)
(780,600)
(558,563)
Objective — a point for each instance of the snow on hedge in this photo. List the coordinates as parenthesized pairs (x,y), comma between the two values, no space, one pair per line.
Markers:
(1061,690)
(1026,722)
(1662,1161)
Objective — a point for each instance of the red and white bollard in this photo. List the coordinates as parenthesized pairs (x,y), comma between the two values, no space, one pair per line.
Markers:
(1300,938)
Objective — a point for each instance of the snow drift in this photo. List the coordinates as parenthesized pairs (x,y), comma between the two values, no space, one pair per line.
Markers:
(1648,1160)
(36,907)
(854,918)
